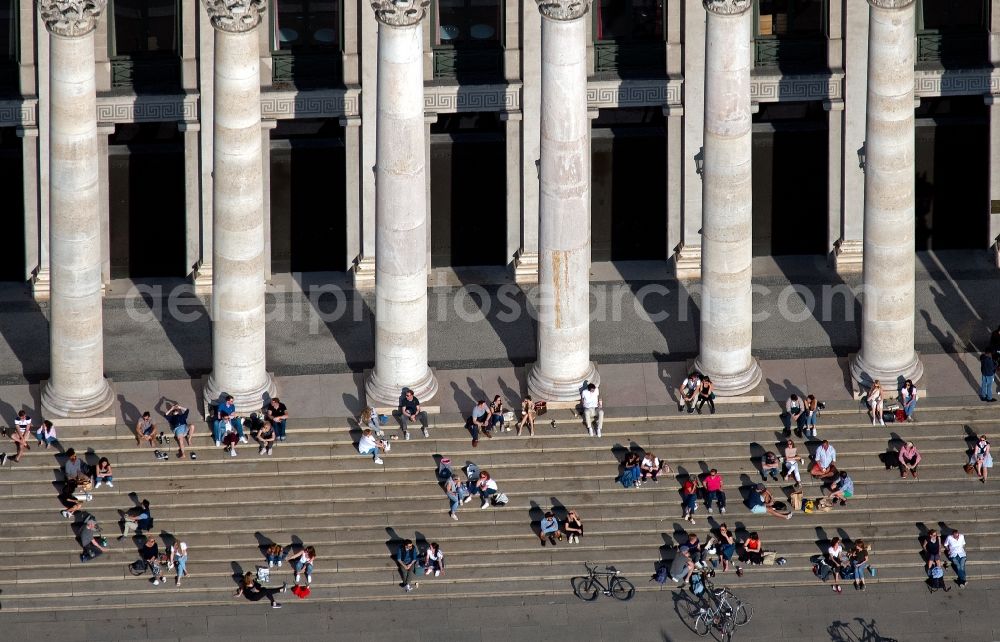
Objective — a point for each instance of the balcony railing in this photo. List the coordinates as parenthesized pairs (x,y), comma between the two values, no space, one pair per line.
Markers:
(952,49)
(146,74)
(790,53)
(307,68)
(630,58)
(468,64)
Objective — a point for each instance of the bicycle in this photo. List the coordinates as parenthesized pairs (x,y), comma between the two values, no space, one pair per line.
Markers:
(609,582)
(725,612)
(741,611)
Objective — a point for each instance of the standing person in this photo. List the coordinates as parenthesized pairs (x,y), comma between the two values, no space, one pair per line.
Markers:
(303,560)
(479,421)
(909,458)
(549,528)
(573,527)
(456,492)
(908,396)
(824,460)
(988,370)
(251,589)
(651,466)
(177,417)
(46,434)
(835,559)
(434,560)
(791,465)
(528,415)
(226,418)
(496,414)
(178,559)
(104,474)
(982,459)
(278,414)
(22,426)
(687,392)
(407,557)
(706,395)
(367,445)
(793,413)
(410,412)
(876,403)
(811,412)
(266,438)
(90,540)
(689,499)
(135,519)
(150,554)
(593,408)
(932,548)
(145,430)
(954,546)
(713,491)
(859,562)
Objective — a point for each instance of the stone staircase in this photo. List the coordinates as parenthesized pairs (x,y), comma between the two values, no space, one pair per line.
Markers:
(316,489)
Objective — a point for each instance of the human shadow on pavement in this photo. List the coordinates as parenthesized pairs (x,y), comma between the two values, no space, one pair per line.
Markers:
(867,632)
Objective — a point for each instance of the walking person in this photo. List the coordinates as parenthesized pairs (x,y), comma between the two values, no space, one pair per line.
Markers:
(407,557)
(22,426)
(876,403)
(688,392)
(954,546)
(714,492)
(410,412)
(982,459)
(909,459)
(988,370)
(859,562)
(528,415)
(593,408)
(251,589)
(303,561)
(689,499)
(434,560)
(104,474)
(178,559)
(908,396)
(836,560)
(706,395)
(573,527)
(549,529)
(277,413)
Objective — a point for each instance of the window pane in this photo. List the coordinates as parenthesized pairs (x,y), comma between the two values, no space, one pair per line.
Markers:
(8,39)
(307,24)
(144,26)
(954,15)
(629,19)
(467,22)
(790,17)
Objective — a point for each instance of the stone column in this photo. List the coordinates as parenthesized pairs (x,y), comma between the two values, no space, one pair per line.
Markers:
(400,208)
(564,207)
(238,350)
(727,196)
(887,313)
(76,385)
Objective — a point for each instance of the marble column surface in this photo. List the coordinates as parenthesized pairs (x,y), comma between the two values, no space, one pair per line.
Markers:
(888,304)
(400,209)
(564,207)
(76,386)
(727,193)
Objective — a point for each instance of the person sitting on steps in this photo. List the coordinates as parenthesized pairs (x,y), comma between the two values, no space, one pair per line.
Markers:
(528,415)
(876,403)
(479,422)
(593,408)
(688,392)
(409,412)
(706,394)
(840,488)
(549,529)
(761,501)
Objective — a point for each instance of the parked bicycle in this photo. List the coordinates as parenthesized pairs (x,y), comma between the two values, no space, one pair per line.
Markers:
(609,582)
(724,612)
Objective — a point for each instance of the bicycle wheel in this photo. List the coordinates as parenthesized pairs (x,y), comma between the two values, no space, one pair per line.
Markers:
(742,614)
(622,589)
(703,624)
(727,626)
(585,589)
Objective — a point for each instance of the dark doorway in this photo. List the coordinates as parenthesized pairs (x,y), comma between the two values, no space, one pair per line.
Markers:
(308,206)
(468,190)
(146,190)
(952,174)
(12,266)
(790,142)
(628,195)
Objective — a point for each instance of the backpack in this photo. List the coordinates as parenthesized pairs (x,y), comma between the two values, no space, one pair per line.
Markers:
(660,576)
(809,506)
(697,584)
(500,499)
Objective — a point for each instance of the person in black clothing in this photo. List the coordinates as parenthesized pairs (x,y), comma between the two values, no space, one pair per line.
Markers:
(150,554)
(177,417)
(278,414)
(251,589)
(988,370)
(410,412)
(995,341)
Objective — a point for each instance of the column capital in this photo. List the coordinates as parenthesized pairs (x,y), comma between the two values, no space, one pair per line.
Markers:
(564,10)
(890,4)
(727,7)
(400,13)
(235,16)
(71,18)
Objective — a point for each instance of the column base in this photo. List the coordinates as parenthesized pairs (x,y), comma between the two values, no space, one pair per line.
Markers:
(41,286)
(526,268)
(864,373)
(687,263)
(848,257)
(202,280)
(733,385)
(364,273)
(385,393)
(542,387)
(246,401)
(56,405)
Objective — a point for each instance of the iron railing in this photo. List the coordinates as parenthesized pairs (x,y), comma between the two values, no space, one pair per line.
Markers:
(645,57)
(472,63)
(146,73)
(307,68)
(952,49)
(786,52)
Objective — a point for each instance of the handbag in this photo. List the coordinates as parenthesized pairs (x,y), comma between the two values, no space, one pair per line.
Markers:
(768,558)
(541,407)
(970,469)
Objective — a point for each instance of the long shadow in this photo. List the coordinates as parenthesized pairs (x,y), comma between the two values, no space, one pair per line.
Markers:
(186,323)
(673,308)
(505,307)
(24,325)
(347,315)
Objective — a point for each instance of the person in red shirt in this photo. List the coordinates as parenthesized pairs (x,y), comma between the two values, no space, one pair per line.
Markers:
(713,491)
(689,497)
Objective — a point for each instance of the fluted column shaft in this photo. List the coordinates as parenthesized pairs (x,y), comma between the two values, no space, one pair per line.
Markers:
(400,210)
(76,385)
(564,208)
(727,193)
(887,329)
(238,276)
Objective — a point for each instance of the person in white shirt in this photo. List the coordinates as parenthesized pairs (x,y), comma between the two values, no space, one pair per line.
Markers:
(651,466)
(954,545)
(688,392)
(825,458)
(835,560)
(22,426)
(369,445)
(593,408)
(875,404)
(486,487)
